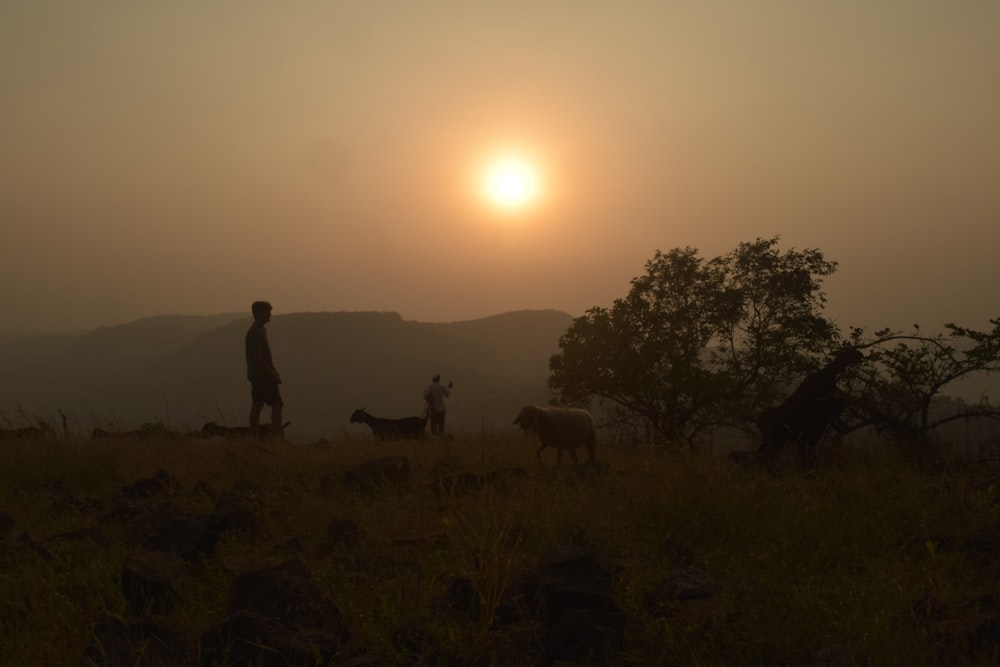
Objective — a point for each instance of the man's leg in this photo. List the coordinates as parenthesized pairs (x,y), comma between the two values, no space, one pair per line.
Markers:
(255,409)
(276,410)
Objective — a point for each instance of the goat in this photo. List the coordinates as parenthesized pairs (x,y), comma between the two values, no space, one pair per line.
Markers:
(392,429)
(806,414)
(211,429)
(562,428)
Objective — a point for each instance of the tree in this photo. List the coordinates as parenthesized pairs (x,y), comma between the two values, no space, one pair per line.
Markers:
(699,343)
(905,373)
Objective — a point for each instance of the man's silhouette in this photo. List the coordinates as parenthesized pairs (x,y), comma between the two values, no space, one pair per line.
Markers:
(263,376)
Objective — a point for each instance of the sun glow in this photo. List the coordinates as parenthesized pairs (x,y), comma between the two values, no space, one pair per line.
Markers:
(511,183)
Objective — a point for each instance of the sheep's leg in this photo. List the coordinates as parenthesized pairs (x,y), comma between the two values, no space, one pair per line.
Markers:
(774,431)
(775,438)
(538,452)
(572,455)
(807,454)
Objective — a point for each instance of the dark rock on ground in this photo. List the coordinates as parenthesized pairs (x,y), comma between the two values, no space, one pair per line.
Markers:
(167,528)
(571,595)
(586,635)
(235,513)
(277,616)
(162,483)
(344,533)
(287,593)
(571,577)
(251,639)
(6,525)
(117,643)
(373,474)
(147,583)
(91,534)
(689,584)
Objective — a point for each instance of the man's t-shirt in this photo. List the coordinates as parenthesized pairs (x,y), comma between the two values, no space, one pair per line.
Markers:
(258,351)
(435,395)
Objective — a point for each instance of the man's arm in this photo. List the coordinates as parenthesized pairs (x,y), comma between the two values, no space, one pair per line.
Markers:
(256,346)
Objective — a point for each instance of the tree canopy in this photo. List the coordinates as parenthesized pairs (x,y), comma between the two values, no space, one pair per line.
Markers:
(904,373)
(700,343)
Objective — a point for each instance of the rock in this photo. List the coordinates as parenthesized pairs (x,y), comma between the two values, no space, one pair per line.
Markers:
(590,635)
(147,584)
(116,643)
(373,474)
(343,533)
(286,593)
(160,483)
(277,616)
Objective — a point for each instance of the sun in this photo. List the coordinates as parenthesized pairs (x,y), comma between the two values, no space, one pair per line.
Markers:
(511,183)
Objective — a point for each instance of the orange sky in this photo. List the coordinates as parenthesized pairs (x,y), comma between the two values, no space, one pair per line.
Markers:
(191,157)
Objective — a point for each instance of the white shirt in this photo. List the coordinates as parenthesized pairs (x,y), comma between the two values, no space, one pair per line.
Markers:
(435,395)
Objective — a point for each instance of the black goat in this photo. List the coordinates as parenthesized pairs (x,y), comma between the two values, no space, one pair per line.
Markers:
(814,406)
(392,429)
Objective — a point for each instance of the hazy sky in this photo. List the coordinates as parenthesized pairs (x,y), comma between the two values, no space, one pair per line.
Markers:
(191,157)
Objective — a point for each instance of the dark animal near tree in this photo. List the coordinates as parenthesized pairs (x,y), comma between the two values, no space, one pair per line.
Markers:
(814,406)
(562,428)
(392,429)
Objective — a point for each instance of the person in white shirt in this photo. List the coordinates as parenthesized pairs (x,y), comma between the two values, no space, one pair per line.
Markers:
(434,395)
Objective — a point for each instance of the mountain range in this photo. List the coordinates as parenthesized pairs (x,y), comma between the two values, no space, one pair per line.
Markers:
(185,370)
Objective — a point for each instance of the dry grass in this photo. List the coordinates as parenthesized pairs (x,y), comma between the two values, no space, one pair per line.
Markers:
(863,559)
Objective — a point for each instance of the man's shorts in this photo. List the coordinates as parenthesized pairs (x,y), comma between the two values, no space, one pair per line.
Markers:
(265,392)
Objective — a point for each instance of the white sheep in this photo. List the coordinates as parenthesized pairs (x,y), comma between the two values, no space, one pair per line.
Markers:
(562,428)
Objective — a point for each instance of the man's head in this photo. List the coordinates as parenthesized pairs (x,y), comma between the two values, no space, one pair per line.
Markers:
(436,377)
(261,311)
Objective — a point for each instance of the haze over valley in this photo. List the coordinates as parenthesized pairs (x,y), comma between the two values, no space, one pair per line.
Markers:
(184,371)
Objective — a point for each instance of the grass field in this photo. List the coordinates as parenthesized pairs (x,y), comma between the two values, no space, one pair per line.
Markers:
(867,560)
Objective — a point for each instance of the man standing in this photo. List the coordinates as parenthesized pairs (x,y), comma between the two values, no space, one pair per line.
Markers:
(435,395)
(263,376)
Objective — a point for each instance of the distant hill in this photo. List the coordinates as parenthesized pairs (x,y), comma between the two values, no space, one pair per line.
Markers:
(186,370)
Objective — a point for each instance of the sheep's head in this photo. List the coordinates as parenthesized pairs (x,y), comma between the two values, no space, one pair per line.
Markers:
(529,418)
(358,416)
